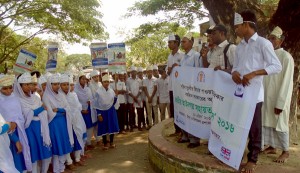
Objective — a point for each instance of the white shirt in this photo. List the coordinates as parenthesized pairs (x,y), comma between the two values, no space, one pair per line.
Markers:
(217,55)
(257,54)
(192,59)
(133,87)
(149,84)
(172,59)
(121,97)
(163,92)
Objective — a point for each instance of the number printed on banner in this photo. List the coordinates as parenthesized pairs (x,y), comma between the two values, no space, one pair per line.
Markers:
(226,125)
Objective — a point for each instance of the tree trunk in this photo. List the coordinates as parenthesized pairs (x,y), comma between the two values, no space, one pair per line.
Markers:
(287,17)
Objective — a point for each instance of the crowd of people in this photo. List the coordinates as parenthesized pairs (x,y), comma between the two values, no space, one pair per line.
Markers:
(52,119)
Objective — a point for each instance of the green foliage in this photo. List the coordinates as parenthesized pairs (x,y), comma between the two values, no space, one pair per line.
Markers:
(77,61)
(182,11)
(73,20)
(148,45)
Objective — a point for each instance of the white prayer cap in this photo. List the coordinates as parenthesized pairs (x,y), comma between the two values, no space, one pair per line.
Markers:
(64,78)
(71,81)
(132,68)
(34,79)
(140,69)
(238,19)
(155,67)
(6,80)
(25,78)
(189,36)
(94,73)
(104,70)
(149,68)
(42,80)
(277,32)
(47,75)
(172,37)
(54,78)
(105,78)
(81,73)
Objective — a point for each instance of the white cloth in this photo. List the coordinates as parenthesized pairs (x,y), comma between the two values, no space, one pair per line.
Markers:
(192,59)
(217,56)
(11,110)
(84,95)
(257,54)
(278,94)
(104,99)
(121,97)
(6,159)
(77,120)
(174,59)
(54,100)
(149,84)
(162,90)
(135,88)
(29,104)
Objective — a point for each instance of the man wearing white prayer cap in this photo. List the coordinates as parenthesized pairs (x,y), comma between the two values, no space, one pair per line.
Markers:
(150,89)
(134,88)
(192,59)
(156,72)
(174,60)
(121,91)
(255,58)
(276,107)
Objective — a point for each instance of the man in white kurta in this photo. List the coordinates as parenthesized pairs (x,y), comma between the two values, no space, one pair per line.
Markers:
(276,108)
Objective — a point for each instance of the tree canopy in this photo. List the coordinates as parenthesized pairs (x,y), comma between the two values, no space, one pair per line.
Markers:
(73,21)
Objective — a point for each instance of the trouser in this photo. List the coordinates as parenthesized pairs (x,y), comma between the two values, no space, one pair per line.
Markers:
(121,116)
(131,115)
(58,163)
(254,145)
(177,129)
(155,111)
(111,139)
(145,108)
(95,131)
(141,118)
(185,136)
(163,107)
(89,133)
(76,155)
(37,168)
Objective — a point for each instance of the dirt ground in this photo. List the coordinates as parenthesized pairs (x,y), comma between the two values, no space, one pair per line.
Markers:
(130,156)
(265,162)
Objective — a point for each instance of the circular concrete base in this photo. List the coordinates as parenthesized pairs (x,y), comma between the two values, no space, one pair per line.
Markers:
(167,157)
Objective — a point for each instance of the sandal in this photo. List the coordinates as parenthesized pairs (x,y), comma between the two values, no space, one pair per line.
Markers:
(112,146)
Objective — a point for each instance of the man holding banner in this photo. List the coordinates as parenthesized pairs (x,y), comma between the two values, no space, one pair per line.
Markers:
(254,58)
(192,59)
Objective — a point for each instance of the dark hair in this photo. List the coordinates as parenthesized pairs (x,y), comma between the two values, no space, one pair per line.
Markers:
(177,38)
(249,15)
(37,73)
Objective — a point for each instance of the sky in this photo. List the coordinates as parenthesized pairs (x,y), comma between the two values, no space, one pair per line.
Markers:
(113,12)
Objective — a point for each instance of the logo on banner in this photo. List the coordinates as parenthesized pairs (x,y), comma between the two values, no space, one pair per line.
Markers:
(225,153)
(201,76)
(239,91)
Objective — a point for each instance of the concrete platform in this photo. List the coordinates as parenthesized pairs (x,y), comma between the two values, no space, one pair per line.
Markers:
(167,156)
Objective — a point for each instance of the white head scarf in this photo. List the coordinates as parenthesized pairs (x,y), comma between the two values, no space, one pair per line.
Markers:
(29,104)
(93,85)
(54,100)
(6,159)
(84,95)
(104,98)
(11,111)
(77,120)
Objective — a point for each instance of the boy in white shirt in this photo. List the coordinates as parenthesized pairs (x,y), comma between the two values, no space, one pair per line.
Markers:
(163,95)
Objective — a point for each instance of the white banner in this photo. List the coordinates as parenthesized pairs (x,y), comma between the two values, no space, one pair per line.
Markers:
(208,104)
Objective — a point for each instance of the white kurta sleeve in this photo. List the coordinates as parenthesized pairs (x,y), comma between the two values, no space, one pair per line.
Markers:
(286,89)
